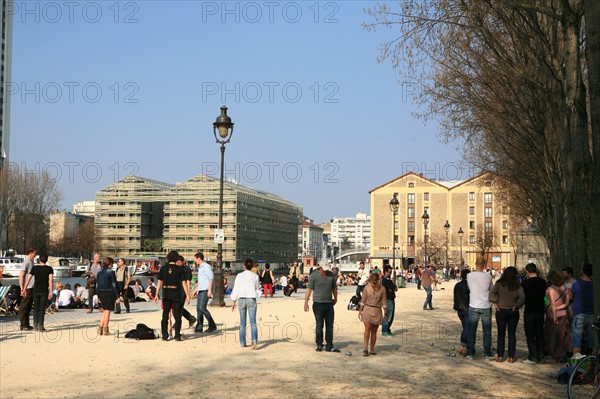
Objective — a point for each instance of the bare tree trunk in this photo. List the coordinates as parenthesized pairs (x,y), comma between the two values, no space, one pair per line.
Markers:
(592,33)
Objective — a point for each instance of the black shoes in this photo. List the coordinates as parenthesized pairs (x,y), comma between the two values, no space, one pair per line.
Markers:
(26,328)
(211,329)
(319,349)
(192,322)
(128,310)
(333,349)
(117,312)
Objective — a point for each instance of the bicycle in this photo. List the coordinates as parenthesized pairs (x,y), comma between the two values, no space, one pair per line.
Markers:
(584,381)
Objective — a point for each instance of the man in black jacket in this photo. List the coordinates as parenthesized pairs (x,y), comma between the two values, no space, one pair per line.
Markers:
(461,305)
(390,294)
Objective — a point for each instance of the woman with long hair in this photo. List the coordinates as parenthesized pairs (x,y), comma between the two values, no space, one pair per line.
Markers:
(507,296)
(108,293)
(557,331)
(244,294)
(373,301)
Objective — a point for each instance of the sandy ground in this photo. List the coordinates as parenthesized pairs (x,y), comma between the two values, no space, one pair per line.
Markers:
(71,360)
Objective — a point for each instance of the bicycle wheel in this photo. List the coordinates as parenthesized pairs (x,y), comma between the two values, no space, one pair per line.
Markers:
(584,381)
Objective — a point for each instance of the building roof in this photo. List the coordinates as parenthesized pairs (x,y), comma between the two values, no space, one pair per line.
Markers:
(132,179)
(449,185)
(306,223)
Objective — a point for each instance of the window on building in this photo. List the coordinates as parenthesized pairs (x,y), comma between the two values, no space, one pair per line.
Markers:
(505,210)
(471,239)
(488,212)
(471,196)
(411,198)
(395,225)
(426,209)
(471,210)
(426,196)
(504,239)
(411,212)
(472,225)
(487,198)
(410,226)
(395,238)
(488,227)
(505,224)
(411,185)
(411,240)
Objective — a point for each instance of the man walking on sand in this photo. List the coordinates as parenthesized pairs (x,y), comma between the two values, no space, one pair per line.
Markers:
(325,288)
(204,291)
(480,283)
(186,279)
(427,278)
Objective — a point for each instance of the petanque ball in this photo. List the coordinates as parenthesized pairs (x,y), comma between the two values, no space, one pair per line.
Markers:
(447,353)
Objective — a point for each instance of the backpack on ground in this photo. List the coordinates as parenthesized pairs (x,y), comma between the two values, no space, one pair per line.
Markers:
(141,331)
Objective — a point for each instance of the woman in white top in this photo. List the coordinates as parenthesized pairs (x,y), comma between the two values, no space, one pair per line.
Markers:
(244,294)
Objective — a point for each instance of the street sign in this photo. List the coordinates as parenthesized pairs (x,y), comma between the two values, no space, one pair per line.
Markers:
(219,236)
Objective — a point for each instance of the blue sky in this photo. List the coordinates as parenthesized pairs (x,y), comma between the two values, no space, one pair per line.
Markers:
(105,88)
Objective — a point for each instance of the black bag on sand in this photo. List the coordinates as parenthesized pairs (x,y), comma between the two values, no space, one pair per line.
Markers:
(141,331)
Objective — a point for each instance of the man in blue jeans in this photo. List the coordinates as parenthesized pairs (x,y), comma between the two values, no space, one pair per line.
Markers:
(428,278)
(583,312)
(479,283)
(390,294)
(324,286)
(204,291)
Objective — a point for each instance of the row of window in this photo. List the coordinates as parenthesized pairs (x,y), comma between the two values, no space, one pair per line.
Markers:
(411,239)
(487,197)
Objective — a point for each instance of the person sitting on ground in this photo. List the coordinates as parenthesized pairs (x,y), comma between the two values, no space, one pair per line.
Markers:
(78,290)
(287,291)
(283,282)
(151,289)
(67,298)
(53,302)
(136,289)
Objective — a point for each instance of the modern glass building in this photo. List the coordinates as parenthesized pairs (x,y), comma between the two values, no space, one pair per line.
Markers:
(133,214)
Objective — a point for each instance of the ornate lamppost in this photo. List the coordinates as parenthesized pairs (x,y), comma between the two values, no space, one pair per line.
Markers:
(447,229)
(425,218)
(223,130)
(461,233)
(394,204)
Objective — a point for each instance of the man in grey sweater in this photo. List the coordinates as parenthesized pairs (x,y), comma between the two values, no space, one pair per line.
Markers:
(325,297)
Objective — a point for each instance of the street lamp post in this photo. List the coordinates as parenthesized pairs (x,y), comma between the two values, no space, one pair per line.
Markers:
(447,229)
(223,130)
(461,233)
(425,218)
(394,204)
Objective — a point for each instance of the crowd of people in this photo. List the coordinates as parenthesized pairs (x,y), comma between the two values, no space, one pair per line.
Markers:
(558,311)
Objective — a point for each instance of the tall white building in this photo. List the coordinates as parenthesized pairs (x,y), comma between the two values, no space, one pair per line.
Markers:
(85,208)
(352,232)
(6,11)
